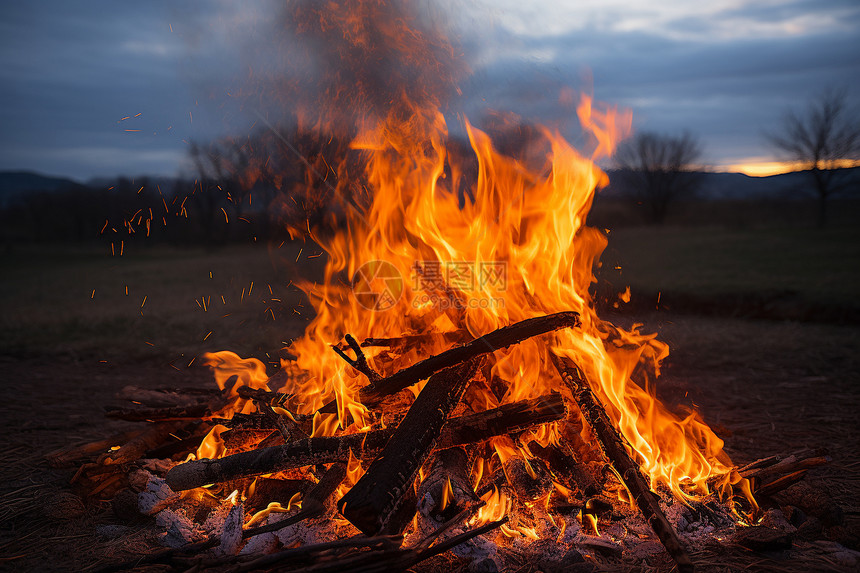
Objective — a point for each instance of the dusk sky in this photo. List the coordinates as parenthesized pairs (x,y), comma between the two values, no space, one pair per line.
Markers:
(71,71)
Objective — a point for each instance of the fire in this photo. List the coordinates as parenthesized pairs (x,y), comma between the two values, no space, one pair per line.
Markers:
(445,241)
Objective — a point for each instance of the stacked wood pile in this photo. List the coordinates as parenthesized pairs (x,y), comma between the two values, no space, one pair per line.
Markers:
(419,477)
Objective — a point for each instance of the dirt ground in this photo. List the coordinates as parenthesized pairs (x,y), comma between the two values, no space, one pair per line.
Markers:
(767,387)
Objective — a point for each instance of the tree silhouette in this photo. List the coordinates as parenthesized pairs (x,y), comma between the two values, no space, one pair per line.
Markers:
(822,137)
(656,170)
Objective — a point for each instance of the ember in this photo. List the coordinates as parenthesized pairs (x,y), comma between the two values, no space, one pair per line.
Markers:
(461,394)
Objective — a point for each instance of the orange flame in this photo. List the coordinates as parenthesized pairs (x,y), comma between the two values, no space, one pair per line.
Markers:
(450,240)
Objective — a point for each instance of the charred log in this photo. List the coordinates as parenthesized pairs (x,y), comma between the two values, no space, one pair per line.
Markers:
(613,447)
(301,453)
(378,493)
(496,340)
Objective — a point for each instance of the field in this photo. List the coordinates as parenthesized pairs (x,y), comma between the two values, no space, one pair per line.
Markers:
(766,386)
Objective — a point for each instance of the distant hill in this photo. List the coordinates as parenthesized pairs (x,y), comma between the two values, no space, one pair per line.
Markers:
(13,184)
(741,186)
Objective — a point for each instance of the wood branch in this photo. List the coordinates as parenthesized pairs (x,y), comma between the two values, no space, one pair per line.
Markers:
(406,559)
(458,431)
(505,419)
(314,504)
(614,448)
(378,493)
(70,454)
(801,460)
(194,412)
(408,340)
(360,360)
(496,340)
(567,467)
(780,484)
(313,552)
(151,438)
(279,399)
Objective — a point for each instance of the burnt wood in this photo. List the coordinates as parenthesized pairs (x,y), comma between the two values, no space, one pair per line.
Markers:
(612,444)
(300,453)
(496,340)
(378,493)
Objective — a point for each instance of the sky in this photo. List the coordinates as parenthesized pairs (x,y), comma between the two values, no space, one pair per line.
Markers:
(106,88)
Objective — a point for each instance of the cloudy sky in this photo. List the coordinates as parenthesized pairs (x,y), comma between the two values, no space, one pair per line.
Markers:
(102,88)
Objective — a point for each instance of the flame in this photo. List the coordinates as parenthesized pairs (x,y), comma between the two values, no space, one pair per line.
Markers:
(212,446)
(440,239)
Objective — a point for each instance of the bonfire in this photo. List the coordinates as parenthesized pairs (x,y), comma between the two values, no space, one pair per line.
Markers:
(456,393)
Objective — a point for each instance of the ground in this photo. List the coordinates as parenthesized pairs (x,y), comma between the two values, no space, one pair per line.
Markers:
(767,386)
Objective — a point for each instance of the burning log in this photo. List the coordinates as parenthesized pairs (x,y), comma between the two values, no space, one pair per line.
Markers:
(458,431)
(567,467)
(613,446)
(149,439)
(360,361)
(379,492)
(447,489)
(496,340)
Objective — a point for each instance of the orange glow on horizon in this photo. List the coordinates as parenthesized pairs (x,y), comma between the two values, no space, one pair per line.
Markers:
(755,168)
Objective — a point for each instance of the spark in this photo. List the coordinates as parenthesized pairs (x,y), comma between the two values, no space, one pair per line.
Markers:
(207,336)
(226,219)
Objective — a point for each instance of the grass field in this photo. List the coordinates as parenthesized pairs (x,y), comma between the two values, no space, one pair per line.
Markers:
(155,303)
(811,265)
(167,303)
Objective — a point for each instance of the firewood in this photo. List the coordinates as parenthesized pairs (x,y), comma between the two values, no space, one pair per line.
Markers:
(194,412)
(567,467)
(612,444)
(313,505)
(70,454)
(447,489)
(378,493)
(458,431)
(149,439)
(505,419)
(407,340)
(496,340)
(804,459)
(781,483)
(360,360)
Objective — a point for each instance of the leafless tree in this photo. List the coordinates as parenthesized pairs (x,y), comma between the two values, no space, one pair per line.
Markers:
(823,136)
(657,170)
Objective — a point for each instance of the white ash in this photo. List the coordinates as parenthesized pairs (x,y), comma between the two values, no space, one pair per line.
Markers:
(231,532)
(180,529)
(699,520)
(481,552)
(156,496)
(214,523)
(261,544)
(305,532)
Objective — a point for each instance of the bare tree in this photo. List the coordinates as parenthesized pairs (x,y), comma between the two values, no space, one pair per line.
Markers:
(657,170)
(823,136)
